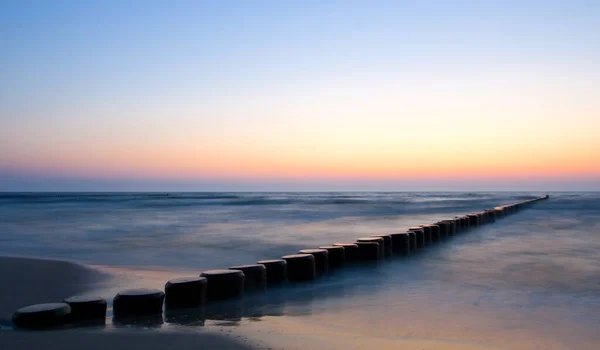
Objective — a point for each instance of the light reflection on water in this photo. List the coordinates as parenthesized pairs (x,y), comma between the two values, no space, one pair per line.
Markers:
(529,281)
(506,285)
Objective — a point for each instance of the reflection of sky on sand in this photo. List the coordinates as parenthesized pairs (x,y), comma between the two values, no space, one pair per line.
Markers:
(394,303)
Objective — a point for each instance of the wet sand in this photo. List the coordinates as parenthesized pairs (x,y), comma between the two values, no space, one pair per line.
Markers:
(29,281)
(130,340)
(335,313)
(26,281)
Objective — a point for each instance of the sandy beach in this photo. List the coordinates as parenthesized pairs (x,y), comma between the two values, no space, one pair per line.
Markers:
(29,281)
(40,280)
(32,281)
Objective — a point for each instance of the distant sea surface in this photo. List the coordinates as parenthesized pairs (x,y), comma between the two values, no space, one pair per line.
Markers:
(205,230)
(532,277)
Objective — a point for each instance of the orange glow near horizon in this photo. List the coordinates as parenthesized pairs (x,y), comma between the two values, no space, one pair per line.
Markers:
(375,136)
(502,162)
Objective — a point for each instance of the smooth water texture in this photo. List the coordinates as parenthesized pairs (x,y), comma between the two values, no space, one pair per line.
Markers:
(211,230)
(531,280)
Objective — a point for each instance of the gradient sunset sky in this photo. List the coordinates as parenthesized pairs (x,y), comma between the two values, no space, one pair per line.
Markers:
(307,95)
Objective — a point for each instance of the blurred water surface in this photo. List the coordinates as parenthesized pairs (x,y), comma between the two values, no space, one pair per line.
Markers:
(203,230)
(531,280)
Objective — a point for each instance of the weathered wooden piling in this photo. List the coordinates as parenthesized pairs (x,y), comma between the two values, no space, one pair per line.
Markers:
(300,267)
(400,243)
(42,315)
(255,276)
(134,302)
(276,270)
(369,251)
(419,236)
(379,240)
(185,292)
(337,255)
(387,244)
(321,259)
(86,308)
(224,284)
(427,233)
(351,253)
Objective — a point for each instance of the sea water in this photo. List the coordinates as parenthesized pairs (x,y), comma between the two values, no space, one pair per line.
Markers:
(531,280)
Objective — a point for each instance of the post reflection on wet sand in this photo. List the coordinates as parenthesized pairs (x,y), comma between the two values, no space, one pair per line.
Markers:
(289,299)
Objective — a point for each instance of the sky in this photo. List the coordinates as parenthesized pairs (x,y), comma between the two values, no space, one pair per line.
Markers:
(299,95)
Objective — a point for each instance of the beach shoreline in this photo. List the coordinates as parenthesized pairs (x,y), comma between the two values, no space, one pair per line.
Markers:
(31,280)
(69,278)
(34,281)
(521,283)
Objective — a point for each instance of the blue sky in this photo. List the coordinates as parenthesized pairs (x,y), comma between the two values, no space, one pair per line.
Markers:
(110,94)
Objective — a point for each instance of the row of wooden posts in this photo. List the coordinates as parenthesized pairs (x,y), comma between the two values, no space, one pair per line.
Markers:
(305,266)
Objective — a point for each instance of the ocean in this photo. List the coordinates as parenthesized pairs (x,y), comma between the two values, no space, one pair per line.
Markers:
(530,279)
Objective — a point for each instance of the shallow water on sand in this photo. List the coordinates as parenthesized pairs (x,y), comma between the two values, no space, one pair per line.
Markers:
(531,280)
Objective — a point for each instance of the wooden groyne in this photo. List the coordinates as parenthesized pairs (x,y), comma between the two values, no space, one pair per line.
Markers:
(232,283)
